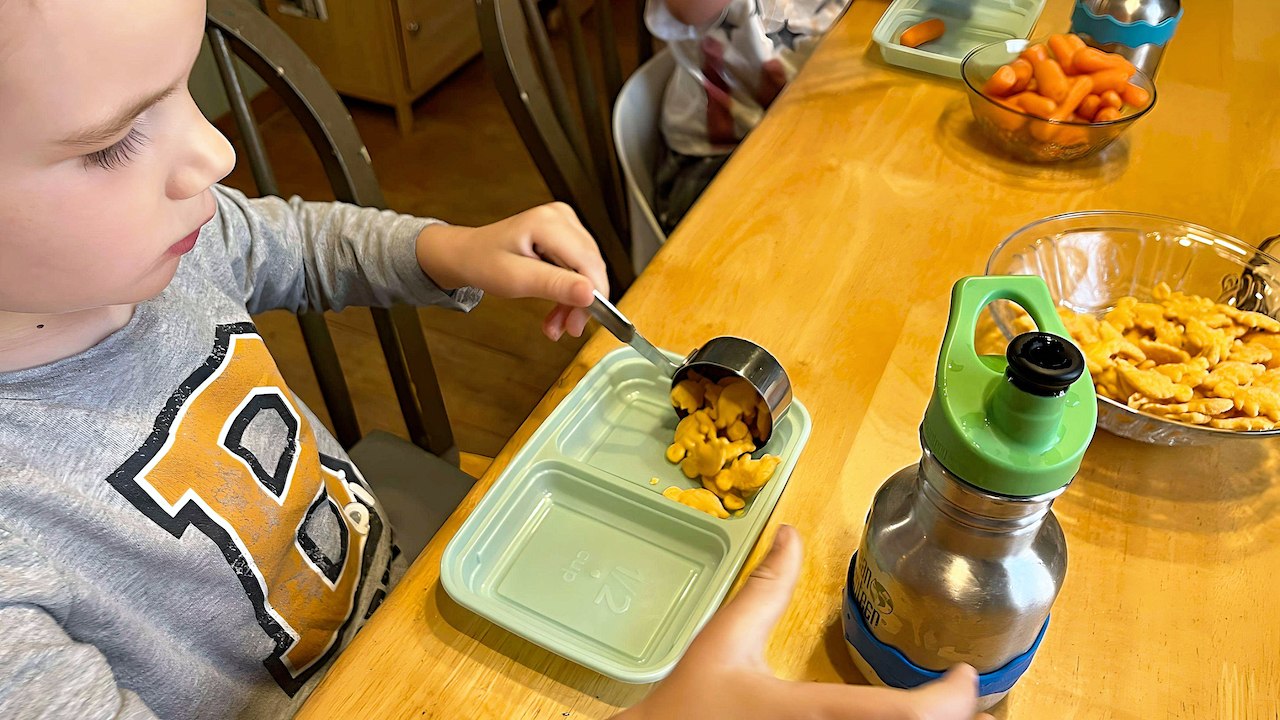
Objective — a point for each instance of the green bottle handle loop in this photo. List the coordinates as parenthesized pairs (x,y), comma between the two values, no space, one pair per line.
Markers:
(985,430)
(972,295)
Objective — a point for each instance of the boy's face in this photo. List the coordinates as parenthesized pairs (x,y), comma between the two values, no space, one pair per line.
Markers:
(105,161)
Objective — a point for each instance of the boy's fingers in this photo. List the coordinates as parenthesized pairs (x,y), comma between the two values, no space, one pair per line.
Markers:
(534,278)
(577,321)
(952,697)
(742,627)
(554,325)
(569,245)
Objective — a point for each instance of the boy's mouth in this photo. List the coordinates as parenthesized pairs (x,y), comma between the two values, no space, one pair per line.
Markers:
(186,244)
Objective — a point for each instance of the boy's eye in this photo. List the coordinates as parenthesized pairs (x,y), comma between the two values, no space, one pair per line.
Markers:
(118,155)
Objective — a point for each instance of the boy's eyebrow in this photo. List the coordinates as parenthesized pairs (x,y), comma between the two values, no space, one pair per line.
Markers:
(99,133)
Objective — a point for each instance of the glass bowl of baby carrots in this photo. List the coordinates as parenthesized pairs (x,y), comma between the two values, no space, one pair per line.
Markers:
(1054,99)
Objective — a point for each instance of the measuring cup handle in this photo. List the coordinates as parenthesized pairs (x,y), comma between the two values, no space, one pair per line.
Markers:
(615,322)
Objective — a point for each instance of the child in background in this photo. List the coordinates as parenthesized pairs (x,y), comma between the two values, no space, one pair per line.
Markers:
(734,57)
(179,535)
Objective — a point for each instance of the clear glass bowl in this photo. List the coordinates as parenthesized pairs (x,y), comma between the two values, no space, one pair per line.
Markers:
(1092,259)
(1028,137)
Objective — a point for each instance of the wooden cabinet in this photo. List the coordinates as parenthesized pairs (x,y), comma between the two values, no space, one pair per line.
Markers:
(385,51)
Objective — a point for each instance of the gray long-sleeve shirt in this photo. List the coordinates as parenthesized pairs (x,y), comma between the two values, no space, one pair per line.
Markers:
(179,535)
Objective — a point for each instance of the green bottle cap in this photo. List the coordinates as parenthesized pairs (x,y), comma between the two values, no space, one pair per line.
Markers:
(1016,425)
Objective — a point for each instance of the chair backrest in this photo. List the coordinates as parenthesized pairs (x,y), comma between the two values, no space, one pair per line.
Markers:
(240,28)
(571,150)
(638,140)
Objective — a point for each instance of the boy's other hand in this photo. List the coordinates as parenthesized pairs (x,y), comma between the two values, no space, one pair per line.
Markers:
(724,675)
(513,258)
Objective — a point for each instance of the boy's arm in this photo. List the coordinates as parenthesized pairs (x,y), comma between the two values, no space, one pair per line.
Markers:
(44,673)
(682,19)
(300,255)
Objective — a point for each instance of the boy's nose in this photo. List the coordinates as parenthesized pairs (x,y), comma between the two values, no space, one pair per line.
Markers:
(210,159)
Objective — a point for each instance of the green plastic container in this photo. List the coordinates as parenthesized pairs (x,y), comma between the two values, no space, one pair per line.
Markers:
(970,23)
(575,550)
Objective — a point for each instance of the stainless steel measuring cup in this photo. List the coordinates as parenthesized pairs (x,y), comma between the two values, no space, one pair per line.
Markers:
(718,358)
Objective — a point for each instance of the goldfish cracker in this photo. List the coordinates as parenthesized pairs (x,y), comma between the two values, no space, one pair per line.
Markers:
(1022,73)
(1062,50)
(746,475)
(921,33)
(1089,106)
(1000,83)
(694,430)
(1113,80)
(737,402)
(1136,96)
(698,499)
(709,457)
(1051,81)
(1035,104)
(687,395)
(1092,60)
(731,499)
(1106,114)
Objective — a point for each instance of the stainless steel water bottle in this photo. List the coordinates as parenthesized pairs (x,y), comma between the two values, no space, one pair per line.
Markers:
(1137,29)
(961,558)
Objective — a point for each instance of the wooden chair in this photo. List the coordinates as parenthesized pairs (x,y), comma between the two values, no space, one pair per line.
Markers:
(637,137)
(572,150)
(418,488)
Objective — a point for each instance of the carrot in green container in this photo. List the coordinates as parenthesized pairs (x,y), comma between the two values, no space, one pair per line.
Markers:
(921,33)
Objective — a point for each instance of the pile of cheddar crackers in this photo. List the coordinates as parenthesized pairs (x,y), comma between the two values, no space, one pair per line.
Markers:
(1185,358)
(715,440)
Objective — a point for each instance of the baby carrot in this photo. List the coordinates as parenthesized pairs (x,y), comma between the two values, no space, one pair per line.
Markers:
(1075,42)
(1107,114)
(1033,53)
(1011,121)
(1022,71)
(1111,99)
(1063,51)
(1051,79)
(1032,85)
(1001,83)
(1135,96)
(1115,79)
(1089,107)
(1092,60)
(1035,104)
(1080,88)
(921,33)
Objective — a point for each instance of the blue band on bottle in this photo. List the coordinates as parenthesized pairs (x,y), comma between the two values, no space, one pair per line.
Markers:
(895,670)
(1105,29)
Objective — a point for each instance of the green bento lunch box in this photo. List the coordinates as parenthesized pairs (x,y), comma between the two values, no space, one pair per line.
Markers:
(574,548)
(970,23)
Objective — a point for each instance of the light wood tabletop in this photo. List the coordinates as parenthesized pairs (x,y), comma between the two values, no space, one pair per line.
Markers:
(833,237)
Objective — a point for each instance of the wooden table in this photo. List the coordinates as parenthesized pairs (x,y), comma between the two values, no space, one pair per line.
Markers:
(833,238)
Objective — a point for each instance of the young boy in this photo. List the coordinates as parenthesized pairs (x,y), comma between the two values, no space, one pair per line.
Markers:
(179,536)
(733,58)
